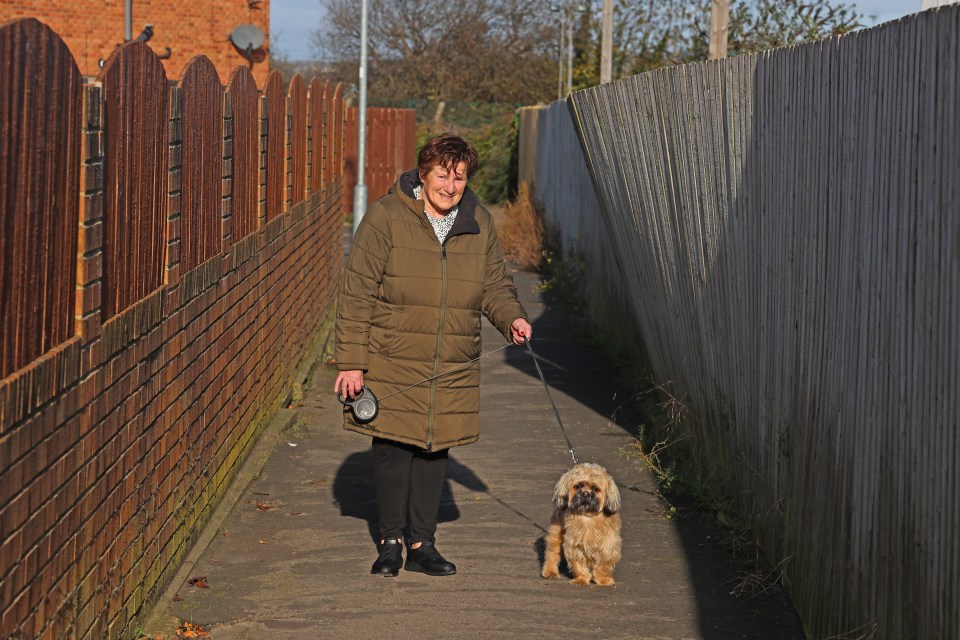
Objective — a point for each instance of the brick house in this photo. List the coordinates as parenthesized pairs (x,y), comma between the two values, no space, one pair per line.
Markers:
(180,30)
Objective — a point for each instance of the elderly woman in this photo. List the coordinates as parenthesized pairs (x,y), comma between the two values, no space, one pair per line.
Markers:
(425,264)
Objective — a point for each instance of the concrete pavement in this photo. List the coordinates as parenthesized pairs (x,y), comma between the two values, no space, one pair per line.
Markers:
(291,557)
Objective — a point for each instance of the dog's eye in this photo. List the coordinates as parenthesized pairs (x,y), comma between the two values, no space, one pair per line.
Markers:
(578,486)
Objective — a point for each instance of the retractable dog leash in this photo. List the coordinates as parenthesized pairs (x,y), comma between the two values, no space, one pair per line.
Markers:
(556,412)
(365,407)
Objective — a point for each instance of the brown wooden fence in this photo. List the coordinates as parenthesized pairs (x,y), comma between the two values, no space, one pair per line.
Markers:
(168,260)
(39,187)
(391,150)
(785,227)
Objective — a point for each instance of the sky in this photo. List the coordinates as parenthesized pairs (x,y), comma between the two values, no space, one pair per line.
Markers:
(292,21)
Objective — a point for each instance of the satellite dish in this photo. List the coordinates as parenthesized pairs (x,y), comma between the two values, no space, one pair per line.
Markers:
(247,37)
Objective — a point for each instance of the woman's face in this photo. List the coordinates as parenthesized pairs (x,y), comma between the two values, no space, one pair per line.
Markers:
(443,188)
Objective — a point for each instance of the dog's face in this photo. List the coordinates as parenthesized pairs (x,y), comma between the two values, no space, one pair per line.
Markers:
(587,489)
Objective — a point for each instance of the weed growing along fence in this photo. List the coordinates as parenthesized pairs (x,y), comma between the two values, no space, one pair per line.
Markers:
(168,257)
(786,226)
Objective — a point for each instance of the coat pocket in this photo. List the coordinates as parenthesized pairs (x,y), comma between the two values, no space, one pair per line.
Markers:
(383,328)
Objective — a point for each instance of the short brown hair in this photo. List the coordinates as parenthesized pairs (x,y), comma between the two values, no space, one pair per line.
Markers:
(447,150)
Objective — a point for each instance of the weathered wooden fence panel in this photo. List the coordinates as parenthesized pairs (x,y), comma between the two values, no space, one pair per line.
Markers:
(329,116)
(245,182)
(135,108)
(202,168)
(390,150)
(786,226)
(274,129)
(318,133)
(297,152)
(337,131)
(551,162)
(39,191)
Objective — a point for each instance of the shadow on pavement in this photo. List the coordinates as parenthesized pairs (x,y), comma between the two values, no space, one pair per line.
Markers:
(353,491)
(717,567)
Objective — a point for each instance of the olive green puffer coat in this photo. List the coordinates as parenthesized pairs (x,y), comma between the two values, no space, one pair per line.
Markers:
(410,308)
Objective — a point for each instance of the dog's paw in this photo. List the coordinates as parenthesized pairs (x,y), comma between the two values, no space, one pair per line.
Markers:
(583,581)
(604,581)
(549,573)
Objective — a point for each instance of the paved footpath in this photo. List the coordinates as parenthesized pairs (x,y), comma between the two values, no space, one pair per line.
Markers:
(291,557)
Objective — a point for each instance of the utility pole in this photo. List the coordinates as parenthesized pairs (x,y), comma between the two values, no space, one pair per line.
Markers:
(606,43)
(360,191)
(563,29)
(719,25)
(570,55)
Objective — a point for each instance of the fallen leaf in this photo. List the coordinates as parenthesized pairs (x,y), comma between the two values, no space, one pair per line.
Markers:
(190,630)
(177,598)
(257,493)
(291,444)
(261,542)
(263,506)
(297,513)
(200,582)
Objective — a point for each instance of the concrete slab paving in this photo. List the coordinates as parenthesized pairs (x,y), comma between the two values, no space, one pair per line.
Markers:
(291,559)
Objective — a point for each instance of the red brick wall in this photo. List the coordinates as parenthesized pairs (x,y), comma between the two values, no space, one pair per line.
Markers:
(116,445)
(93,28)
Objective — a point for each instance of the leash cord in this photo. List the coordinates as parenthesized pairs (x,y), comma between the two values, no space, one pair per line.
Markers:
(536,363)
(556,412)
(459,366)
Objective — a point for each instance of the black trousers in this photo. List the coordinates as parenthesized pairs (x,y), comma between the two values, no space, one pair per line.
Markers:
(408,481)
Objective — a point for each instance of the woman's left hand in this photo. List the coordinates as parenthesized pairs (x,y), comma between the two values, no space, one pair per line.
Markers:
(520,331)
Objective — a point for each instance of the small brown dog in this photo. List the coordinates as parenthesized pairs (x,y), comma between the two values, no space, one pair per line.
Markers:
(585,526)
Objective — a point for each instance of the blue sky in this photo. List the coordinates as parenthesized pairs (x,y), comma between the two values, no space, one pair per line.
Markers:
(291,21)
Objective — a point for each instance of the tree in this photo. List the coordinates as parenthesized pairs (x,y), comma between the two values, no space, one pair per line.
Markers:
(495,50)
(650,34)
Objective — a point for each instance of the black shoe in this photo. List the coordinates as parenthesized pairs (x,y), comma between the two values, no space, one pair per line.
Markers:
(426,559)
(390,559)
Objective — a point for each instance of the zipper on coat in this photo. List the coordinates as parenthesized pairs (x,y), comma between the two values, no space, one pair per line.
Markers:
(436,353)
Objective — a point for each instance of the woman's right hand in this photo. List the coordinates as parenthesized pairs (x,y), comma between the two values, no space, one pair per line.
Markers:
(349,383)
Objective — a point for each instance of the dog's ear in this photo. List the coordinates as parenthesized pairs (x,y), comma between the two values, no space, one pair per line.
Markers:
(560,493)
(612,503)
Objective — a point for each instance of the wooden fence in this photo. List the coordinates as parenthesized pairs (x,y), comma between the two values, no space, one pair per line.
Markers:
(391,150)
(168,259)
(786,226)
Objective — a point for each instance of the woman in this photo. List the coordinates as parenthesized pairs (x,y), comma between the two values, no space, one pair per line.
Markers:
(425,263)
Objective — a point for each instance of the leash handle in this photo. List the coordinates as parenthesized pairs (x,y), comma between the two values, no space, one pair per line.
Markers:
(556,412)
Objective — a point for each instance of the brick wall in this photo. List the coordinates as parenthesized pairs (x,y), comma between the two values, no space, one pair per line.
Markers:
(92,29)
(117,444)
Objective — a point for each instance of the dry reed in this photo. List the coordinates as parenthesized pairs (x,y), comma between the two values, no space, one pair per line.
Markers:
(522,234)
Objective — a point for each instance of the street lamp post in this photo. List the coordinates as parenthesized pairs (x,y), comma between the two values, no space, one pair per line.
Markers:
(360,191)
